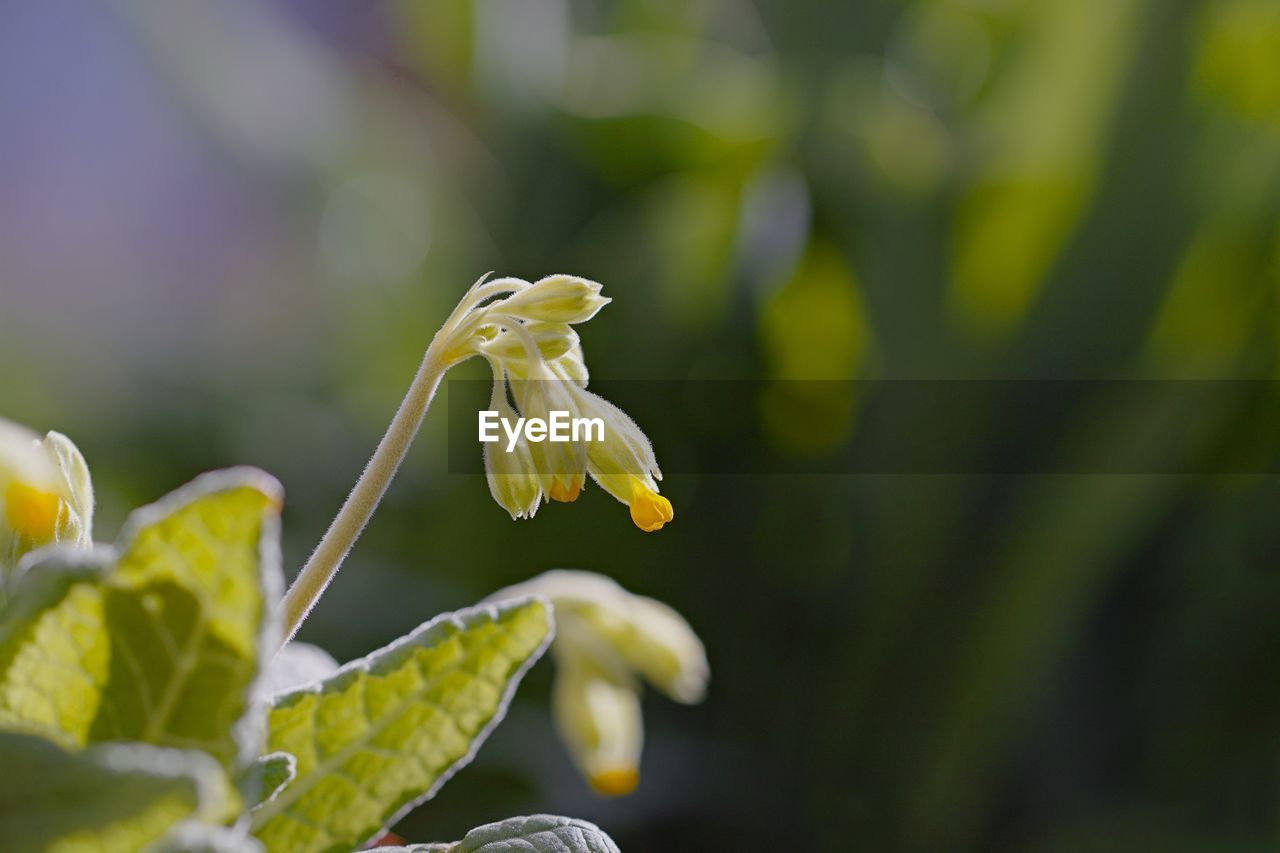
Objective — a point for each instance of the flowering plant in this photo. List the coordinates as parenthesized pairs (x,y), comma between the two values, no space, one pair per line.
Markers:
(151,696)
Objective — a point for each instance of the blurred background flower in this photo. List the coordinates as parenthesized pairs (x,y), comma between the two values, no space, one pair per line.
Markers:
(229,229)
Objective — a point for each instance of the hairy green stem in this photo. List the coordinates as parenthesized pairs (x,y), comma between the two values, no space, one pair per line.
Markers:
(365,496)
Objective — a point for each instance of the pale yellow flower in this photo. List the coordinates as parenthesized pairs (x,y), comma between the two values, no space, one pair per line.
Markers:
(525,331)
(46,495)
(608,639)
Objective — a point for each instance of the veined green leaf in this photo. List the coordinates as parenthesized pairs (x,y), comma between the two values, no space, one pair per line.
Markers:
(190,611)
(541,833)
(385,732)
(159,640)
(54,650)
(113,797)
(537,834)
(267,777)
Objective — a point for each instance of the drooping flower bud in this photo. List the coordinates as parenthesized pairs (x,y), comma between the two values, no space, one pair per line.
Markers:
(557,299)
(597,713)
(605,638)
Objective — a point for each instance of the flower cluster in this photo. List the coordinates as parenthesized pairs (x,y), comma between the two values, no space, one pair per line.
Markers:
(525,331)
(606,640)
(46,495)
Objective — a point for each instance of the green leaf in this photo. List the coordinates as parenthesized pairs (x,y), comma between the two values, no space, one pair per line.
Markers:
(541,833)
(159,640)
(267,776)
(114,797)
(54,649)
(385,732)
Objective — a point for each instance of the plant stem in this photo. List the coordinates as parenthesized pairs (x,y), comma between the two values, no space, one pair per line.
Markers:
(365,496)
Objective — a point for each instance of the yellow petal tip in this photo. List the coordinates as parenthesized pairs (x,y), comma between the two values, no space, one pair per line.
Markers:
(615,783)
(650,510)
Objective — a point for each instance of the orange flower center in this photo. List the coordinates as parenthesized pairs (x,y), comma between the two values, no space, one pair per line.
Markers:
(566,493)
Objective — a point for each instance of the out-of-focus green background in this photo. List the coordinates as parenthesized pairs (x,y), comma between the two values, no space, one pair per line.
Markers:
(228,229)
